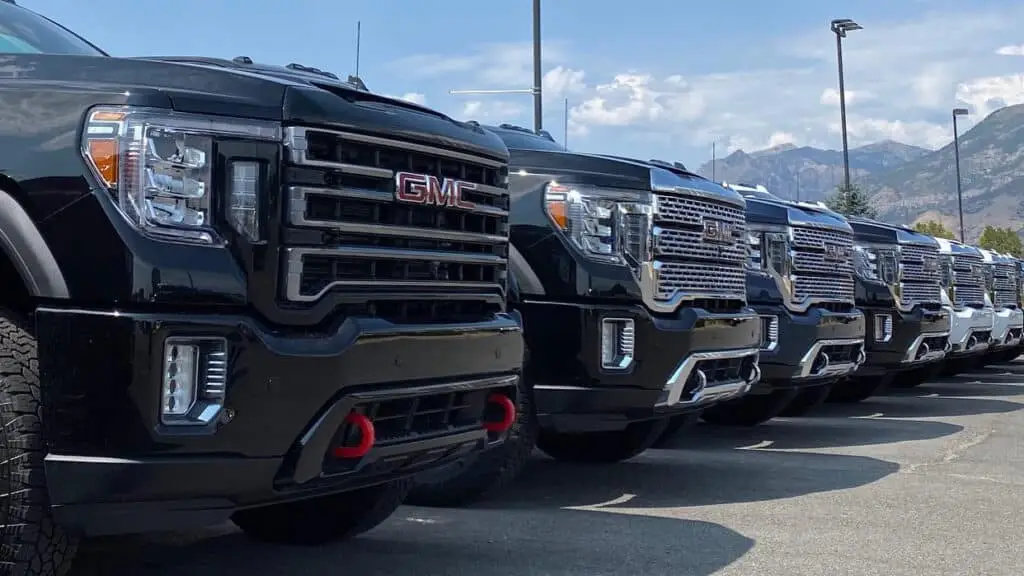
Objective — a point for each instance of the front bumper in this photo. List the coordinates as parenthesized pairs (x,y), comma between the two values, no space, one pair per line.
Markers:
(970,330)
(816,345)
(918,338)
(680,363)
(114,467)
(1006,327)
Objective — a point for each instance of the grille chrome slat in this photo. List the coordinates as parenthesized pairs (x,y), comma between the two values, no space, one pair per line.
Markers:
(970,280)
(426,252)
(817,277)
(922,279)
(1004,276)
(708,269)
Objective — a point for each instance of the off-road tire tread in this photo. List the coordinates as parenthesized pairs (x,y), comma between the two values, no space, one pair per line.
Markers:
(324,519)
(32,543)
(492,470)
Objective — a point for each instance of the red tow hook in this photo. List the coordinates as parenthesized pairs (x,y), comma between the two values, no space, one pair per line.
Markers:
(507,410)
(367,437)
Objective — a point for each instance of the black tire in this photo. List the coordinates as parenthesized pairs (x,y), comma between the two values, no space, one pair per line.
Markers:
(602,447)
(32,543)
(853,390)
(807,400)
(326,518)
(676,424)
(469,480)
(750,410)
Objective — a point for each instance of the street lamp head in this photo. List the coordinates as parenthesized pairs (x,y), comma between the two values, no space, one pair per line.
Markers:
(960,112)
(843,25)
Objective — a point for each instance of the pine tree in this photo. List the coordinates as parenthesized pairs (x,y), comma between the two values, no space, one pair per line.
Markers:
(851,201)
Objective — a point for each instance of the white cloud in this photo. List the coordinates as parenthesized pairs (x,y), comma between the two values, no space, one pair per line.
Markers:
(1011,50)
(560,82)
(902,79)
(862,130)
(830,96)
(985,95)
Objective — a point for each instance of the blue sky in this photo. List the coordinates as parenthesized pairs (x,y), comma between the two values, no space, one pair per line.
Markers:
(647,78)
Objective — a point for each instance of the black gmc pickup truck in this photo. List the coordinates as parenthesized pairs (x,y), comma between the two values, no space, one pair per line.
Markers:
(630,277)
(235,291)
(899,288)
(800,281)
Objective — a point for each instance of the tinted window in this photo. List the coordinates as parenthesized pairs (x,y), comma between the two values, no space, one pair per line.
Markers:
(25,32)
(522,141)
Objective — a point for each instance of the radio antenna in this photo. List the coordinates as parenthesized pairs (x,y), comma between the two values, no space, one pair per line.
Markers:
(359,34)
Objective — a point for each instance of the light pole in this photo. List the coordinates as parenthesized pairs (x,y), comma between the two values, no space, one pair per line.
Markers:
(840,27)
(956,152)
(538,76)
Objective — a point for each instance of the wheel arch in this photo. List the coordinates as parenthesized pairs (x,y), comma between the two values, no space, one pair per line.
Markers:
(24,251)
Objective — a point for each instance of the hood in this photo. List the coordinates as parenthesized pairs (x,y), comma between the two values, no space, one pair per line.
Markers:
(225,87)
(993,257)
(954,248)
(763,210)
(667,177)
(870,231)
(314,97)
(617,172)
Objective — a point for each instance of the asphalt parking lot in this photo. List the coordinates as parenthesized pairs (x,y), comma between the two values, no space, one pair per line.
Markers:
(925,481)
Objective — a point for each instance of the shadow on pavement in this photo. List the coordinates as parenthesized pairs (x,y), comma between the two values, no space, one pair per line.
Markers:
(916,405)
(453,542)
(822,429)
(960,386)
(681,478)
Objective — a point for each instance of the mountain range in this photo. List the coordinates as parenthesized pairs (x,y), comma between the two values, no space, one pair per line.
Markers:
(906,183)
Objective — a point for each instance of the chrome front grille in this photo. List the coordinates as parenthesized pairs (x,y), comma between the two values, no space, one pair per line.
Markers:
(691,259)
(1004,276)
(969,284)
(922,278)
(822,264)
(348,231)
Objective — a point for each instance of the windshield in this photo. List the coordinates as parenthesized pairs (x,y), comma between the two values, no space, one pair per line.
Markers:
(25,32)
(518,141)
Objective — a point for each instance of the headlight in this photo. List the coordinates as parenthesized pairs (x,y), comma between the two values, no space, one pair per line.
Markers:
(879,264)
(947,274)
(605,225)
(771,250)
(162,170)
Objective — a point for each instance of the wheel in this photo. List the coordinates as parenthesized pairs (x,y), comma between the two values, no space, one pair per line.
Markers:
(326,518)
(750,410)
(32,544)
(853,390)
(807,400)
(602,447)
(468,480)
(676,424)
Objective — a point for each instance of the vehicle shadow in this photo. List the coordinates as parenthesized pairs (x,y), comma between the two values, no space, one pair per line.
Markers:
(915,405)
(448,542)
(684,478)
(960,386)
(826,427)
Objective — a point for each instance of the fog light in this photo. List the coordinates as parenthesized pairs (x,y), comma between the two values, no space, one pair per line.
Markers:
(769,332)
(194,380)
(617,343)
(883,327)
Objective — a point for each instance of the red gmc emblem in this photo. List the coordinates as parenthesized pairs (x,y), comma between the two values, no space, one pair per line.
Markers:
(430,191)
